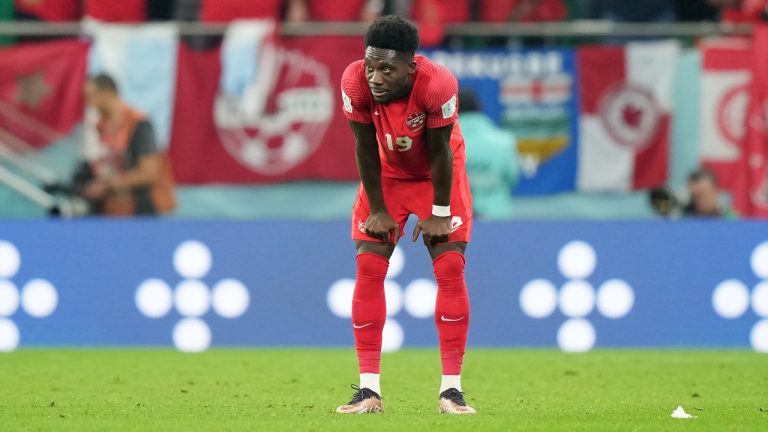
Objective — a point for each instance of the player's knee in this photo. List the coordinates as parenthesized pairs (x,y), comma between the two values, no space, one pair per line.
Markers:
(449,265)
(372,265)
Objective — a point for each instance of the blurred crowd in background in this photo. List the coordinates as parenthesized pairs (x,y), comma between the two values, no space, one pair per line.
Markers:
(434,12)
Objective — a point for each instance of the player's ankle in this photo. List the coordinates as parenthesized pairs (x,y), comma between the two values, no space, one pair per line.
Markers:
(371,382)
(450,381)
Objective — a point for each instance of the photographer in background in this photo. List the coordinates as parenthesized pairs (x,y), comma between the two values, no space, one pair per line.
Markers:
(703,199)
(127,175)
(704,194)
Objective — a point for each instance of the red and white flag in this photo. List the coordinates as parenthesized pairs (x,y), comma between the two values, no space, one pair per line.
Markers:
(750,194)
(41,89)
(725,77)
(279,121)
(626,114)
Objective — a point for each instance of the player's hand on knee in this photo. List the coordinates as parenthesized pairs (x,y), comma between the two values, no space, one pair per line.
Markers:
(433,229)
(382,226)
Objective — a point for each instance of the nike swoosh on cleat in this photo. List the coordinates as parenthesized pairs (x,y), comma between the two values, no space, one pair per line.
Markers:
(443,318)
(362,326)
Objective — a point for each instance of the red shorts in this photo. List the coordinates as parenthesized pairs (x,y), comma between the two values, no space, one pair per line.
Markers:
(405,197)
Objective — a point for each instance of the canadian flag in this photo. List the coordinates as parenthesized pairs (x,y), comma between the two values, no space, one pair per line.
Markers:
(750,194)
(726,74)
(626,115)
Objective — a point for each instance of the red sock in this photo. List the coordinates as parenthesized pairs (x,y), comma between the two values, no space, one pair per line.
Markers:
(369,310)
(451,310)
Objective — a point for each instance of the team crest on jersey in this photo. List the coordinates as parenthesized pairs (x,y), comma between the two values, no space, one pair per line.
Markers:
(415,121)
(449,108)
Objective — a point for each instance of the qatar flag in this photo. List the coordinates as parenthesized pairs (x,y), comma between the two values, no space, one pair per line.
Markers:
(626,115)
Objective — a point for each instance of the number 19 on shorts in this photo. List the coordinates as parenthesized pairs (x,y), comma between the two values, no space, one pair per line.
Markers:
(404,143)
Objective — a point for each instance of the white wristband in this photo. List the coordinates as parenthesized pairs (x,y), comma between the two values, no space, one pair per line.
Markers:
(441,211)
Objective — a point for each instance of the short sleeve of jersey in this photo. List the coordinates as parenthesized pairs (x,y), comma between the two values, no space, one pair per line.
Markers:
(355,96)
(441,98)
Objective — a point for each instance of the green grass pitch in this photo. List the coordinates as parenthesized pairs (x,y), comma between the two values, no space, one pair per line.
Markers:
(296,390)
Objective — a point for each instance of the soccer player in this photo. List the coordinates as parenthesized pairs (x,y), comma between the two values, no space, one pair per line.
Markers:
(410,155)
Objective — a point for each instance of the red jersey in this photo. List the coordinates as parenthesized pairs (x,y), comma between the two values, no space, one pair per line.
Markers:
(50,10)
(401,124)
(456,11)
(116,11)
(335,10)
(542,11)
(229,10)
(748,12)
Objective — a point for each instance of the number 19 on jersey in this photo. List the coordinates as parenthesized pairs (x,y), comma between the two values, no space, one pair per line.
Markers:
(404,143)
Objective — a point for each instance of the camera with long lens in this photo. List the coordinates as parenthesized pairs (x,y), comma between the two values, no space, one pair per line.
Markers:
(67,203)
(668,203)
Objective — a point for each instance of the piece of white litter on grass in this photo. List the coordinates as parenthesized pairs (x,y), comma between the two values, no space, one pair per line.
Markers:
(680,413)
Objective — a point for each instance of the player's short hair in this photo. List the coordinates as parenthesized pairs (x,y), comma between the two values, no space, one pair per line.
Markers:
(393,32)
(104,82)
(702,174)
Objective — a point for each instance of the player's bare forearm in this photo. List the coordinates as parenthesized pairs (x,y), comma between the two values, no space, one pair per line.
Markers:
(437,229)
(380,224)
(368,163)
(146,172)
(441,163)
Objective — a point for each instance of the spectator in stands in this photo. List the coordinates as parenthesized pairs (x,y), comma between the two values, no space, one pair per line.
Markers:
(186,10)
(334,10)
(695,10)
(123,11)
(492,164)
(742,11)
(133,177)
(526,11)
(160,10)
(523,10)
(629,11)
(432,15)
(457,11)
(705,196)
(224,11)
(47,10)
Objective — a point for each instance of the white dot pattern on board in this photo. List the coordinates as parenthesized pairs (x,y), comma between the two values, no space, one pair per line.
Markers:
(192,259)
(577,298)
(10,260)
(577,260)
(538,298)
(192,298)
